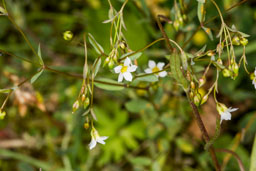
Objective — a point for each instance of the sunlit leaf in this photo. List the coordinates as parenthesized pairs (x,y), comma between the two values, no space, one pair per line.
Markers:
(99,49)
(40,55)
(36,76)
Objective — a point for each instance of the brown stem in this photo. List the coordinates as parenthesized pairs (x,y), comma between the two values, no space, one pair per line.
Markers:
(193,106)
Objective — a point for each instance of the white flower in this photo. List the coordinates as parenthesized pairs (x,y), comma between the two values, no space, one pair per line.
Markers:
(254,79)
(125,70)
(225,113)
(156,68)
(96,138)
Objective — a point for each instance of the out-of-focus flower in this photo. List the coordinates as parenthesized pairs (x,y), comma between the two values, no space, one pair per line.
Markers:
(155,68)
(225,113)
(125,70)
(96,138)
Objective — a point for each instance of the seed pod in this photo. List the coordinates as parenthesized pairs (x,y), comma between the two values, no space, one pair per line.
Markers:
(235,68)
(86,102)
(226,72)
(197,99)
(219,61)
(111,64)
(192,85)
(83,98)
(236,40)
(210,53)
(191,95)
(243,41)
(122,45)
(107,60)
(67,35)
(202,81)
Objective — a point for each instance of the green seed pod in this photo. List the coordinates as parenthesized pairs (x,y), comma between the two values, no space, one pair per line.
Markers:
(83,98)
(235,68)
(226,73)
(219,61)
(67,35)
(236,40)
(107,60)
(191,95)
(192,85)
(243,41)
(86,102)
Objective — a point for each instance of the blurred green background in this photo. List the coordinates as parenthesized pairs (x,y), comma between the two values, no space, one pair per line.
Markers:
(39,130)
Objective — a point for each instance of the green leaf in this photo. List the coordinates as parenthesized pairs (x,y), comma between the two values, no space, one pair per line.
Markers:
(200,11)
(3,11)
(143,161)
(184,145)
(36,76)
(253,156)
(208,32)
(135,56)
(99,49)
(97,67)
(137,105)
(107,85)
(39,55)
(5,90)
(147,78)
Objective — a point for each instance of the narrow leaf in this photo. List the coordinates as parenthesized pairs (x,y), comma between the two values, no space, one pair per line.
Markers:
(5,90)
(208,32)
(95,44)
(96,65)
(85,70)
(3,11)
(36,76)
(39,55)
(200,11)
(253,156)
(147,78)
(135,56)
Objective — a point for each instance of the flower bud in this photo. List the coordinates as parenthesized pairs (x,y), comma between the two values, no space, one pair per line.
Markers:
(191,95)
(236,40)
(252,76)
(86,125)
(111,64)
(107,60)
(75,106)
(192,85)
(176,25)
(221,107)
(235,68)
(243,41)
(219,61)
(83,98)
(86,102)
(205,98)
(226,72)
(122,45)
(210,53)
(202,81)
(67,35)
(2,114)
(197,99)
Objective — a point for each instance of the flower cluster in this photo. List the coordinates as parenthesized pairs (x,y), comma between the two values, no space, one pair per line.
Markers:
(124,70)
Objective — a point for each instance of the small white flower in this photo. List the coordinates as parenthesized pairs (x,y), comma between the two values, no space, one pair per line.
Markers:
(254,79)
(153,67)
(225,113)
(125,70)
(96,138)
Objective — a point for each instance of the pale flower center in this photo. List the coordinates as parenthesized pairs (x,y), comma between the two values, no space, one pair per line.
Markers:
(124,69)
(155,69)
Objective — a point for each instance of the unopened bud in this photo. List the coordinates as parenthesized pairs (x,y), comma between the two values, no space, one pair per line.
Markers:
(75,106)
(252,76)
(202,81)
(83,98)
(86,102)
(111,64)
(226,72)
(2,114)
(67,35)
(204,99)
(176,25)
(192,85)
(236,40)
(235,68)
(197,99)
(243,41)
(219,61)
(210,53)
(86,125)
(191,95)
(122,45)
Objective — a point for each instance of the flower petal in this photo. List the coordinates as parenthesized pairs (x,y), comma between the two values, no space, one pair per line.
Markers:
(127,76)
(225,116)
(151,64)
(148,70)
(101,139)
(232,110)
(127,61)
(162,74)
(132,68)
(92,144)
(118,69)
(120,77)
(160,65)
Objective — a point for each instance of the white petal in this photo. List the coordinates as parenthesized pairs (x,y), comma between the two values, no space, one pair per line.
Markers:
(232,110)
(255,71)
(101,139)
(120,77)
(92,144)
(127,76)
(225,116)
(162,74)
(151,64)
(132,68)
(148,70)
(127,62)
(160,65)
(118,69)
(254,82)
